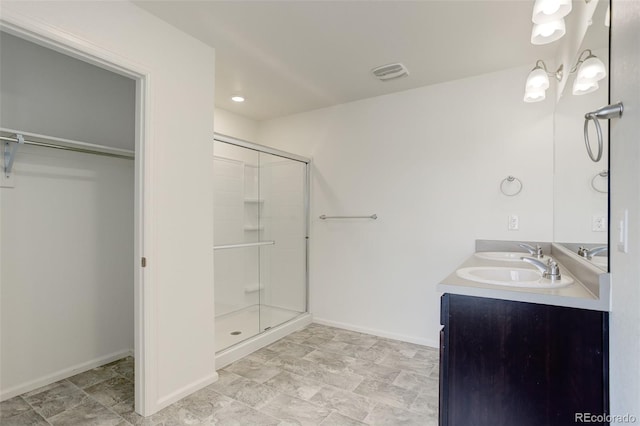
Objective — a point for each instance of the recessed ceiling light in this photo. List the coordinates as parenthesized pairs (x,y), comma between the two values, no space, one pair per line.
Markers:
(237,99)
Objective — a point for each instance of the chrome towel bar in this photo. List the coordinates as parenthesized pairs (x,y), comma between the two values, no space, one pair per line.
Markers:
(373,216)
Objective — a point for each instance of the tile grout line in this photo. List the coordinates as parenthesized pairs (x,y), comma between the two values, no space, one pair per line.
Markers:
(33,409)
(86,395)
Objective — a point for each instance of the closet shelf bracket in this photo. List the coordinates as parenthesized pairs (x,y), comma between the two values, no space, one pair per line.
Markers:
(10,149)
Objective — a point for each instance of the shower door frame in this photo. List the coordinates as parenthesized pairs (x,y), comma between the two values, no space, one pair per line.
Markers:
(219,137)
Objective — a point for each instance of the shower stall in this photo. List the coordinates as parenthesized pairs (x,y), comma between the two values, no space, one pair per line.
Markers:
(260,246)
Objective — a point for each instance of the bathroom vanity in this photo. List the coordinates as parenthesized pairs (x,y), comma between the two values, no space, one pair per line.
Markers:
(522,356)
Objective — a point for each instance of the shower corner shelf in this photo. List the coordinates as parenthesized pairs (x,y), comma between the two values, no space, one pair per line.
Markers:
(254,228)
(253,200)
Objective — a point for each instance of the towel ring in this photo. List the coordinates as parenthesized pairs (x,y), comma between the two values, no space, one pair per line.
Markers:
(602,174)
(587,118)
(605,113)
(508,180)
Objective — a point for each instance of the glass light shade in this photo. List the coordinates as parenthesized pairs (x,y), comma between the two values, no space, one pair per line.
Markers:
(548,32)
(545,11)
(531,95)
(591,70)
(537,80)
(584,88)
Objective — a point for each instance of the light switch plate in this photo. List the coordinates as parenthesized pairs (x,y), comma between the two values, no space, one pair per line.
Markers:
(623,231)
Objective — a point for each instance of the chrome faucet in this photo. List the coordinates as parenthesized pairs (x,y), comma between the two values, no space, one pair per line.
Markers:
(534,251)
(589,253)
(549,270)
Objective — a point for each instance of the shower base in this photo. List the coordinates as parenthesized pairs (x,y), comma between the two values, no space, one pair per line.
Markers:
(258,326)
(239,325)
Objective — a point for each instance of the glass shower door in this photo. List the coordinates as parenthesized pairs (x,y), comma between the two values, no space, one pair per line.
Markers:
(236,244)
(260,242)
(283,266)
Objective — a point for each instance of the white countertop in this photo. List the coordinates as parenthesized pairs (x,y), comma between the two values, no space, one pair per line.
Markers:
(575,295)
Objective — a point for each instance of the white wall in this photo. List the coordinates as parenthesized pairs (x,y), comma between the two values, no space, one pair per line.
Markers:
(67,266)
(48,93)
(429,162)
(231,124)
(625,195)
(178,283)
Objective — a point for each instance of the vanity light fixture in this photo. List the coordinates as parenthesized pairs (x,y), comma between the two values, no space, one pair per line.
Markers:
(237,98)
(584,88)
(545,11)
(548,32)
(538,82)
(590,70)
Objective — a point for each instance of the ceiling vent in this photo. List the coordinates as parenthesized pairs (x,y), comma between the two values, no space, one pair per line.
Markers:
(390,71)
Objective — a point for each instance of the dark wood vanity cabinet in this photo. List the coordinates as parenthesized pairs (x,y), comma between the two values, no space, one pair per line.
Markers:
(519,364)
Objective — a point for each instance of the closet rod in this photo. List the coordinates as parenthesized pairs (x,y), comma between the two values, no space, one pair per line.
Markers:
(67,146)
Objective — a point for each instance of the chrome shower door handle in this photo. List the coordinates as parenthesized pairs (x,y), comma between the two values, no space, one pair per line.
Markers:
(605,113)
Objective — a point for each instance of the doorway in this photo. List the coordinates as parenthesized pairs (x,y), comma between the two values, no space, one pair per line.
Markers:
(70,174)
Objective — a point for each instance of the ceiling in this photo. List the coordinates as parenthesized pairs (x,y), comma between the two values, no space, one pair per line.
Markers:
(287,57)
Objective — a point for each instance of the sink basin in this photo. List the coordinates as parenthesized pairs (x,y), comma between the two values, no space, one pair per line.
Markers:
(510,277)
(505,256)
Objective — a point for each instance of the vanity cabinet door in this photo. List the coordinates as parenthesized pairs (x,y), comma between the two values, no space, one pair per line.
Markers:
(444,364)
(514,363)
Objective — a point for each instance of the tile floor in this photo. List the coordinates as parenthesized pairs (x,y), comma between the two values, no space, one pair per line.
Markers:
(316,376)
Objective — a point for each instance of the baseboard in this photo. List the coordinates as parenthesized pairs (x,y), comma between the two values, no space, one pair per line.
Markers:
(62,374)
(380,333)
(186,391)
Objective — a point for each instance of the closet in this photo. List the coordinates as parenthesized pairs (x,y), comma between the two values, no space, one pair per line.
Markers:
(66,217)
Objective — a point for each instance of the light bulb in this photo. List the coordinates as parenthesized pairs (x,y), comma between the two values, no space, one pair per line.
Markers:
(584,88)
(537,80)
(591,70)
(548,32)
(545,11)
(237,99)
(531,95)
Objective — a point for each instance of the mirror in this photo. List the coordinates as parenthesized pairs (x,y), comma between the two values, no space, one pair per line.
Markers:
(581,185)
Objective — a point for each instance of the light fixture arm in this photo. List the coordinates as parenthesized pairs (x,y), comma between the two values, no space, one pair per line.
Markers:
(557,74)
(581,59)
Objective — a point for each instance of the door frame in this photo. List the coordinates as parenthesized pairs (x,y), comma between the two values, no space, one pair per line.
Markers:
(55,39)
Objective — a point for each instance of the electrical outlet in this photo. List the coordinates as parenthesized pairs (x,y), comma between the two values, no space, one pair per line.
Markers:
(514,222)
(599,223)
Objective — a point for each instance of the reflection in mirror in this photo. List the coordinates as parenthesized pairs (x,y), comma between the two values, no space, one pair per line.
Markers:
(581,185)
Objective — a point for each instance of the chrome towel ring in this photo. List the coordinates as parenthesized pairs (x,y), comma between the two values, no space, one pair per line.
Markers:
(508,181)
(603,174)
(605,113)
